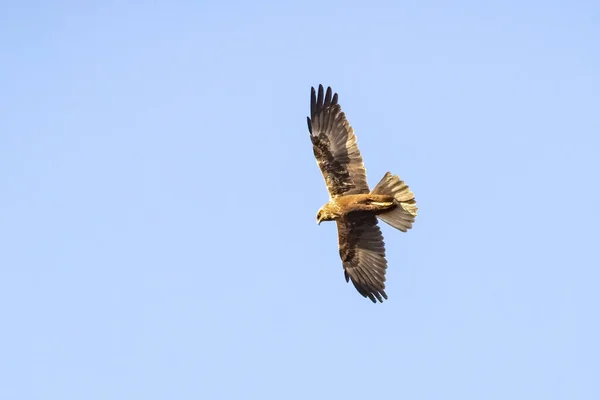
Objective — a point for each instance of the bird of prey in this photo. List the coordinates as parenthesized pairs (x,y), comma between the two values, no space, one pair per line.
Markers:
(351,204)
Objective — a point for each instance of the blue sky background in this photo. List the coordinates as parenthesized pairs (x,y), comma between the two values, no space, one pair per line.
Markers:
(159,193)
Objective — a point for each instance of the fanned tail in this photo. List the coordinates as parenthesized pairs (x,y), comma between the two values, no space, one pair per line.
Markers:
(403,215)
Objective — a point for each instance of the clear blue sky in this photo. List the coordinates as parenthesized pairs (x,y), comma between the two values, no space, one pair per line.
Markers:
(159,193)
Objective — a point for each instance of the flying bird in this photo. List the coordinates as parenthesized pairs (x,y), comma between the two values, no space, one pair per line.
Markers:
(351,204)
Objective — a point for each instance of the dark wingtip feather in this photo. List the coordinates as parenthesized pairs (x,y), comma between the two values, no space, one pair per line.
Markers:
(313,101)
(309,125)
(328,97)
(320,98)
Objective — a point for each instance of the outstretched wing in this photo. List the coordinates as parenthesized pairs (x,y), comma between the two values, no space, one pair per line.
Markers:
(363,255)
(334,145)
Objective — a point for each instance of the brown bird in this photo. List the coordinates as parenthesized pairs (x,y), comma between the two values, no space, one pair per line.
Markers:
(351,204)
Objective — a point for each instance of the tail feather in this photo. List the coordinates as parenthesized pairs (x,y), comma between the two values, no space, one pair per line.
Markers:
(402,216)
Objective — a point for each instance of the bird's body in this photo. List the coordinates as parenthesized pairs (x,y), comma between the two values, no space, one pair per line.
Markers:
(353,206)
(348,205)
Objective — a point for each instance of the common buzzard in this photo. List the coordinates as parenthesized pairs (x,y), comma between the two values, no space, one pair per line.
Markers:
(351,204)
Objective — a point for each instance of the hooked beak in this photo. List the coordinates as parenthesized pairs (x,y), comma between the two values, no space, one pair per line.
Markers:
(318,222)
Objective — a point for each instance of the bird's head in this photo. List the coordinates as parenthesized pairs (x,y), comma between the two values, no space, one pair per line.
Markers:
(324,214)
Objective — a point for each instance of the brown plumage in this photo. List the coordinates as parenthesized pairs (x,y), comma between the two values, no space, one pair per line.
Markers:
(351,204)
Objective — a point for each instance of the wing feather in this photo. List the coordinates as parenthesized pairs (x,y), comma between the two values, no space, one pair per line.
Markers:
(334,145)
(362,251)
